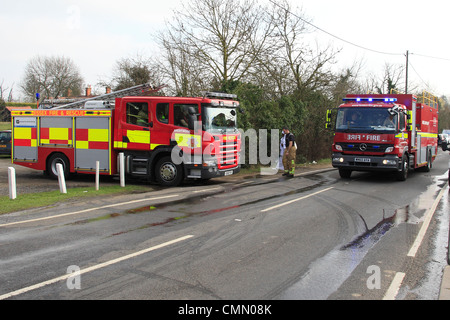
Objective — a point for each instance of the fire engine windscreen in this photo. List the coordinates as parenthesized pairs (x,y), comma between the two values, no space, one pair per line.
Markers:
(219,119)
(366,120)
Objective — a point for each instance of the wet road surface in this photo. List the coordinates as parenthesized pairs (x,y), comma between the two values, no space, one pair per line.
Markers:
(315,236)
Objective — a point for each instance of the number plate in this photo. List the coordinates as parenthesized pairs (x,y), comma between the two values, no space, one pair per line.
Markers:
(362,160)
(228,173)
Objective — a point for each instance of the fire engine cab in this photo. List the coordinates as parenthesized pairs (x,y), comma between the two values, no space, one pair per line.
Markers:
(163,139)
(394,132)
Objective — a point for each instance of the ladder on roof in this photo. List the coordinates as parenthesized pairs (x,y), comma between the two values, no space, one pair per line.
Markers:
(138,90)
(219,95)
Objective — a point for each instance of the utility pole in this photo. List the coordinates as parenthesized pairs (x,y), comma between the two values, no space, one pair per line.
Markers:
(406,82)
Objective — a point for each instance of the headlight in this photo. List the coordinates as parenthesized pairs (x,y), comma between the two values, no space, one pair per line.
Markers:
(389,149)
(210,163)
(338,147)
(338,159)
(389,162)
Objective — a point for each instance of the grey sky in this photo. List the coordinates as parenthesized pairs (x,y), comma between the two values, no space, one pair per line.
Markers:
(96,33)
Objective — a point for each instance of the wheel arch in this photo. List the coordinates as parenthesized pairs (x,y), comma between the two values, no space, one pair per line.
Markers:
(158,154)
(63,156)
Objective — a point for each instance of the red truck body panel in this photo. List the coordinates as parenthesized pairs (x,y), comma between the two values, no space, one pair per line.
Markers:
(367,143)
(144,128)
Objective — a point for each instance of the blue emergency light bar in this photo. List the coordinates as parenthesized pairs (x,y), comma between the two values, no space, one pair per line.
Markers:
(370,99)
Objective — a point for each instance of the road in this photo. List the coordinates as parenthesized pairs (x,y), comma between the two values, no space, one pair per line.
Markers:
(315,236)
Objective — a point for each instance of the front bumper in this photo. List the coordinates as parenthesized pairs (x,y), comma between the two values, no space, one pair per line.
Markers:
(209,172)
(366,163)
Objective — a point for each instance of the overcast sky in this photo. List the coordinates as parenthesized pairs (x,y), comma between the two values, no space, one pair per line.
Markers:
(97,33)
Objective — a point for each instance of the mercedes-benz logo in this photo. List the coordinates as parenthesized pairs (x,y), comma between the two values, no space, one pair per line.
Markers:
(363,147)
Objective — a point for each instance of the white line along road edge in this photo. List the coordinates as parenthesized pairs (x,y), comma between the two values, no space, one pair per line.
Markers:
(426,222)
(295,200)
(93,268)
(393,289)
(87,210)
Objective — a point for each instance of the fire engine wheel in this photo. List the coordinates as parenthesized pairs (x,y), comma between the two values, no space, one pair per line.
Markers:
(403,173)
(168,173)
(53,161)
(345,173)
(429,163)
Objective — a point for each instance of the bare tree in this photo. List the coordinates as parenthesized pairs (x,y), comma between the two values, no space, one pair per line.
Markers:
(180,66)
(133,71)
(3,90)
(345,82)
(5,115)
(52,77)
(392,79)
(292,64)
(217,37)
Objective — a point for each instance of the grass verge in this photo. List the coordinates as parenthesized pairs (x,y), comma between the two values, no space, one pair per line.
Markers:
(43,199)
(5,125)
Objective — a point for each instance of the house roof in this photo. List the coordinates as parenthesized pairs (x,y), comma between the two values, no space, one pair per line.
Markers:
(17,108)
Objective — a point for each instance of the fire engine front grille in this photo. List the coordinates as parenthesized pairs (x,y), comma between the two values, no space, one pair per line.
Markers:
(362,164)
(365,147)
(228,154)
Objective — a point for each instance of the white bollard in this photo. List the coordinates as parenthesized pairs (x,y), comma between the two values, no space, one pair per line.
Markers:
(122,169)
(97,175)
(12,183)
(61,178)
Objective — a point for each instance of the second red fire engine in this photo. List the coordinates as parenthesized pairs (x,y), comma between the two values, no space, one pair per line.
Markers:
(163,139)
(395,132)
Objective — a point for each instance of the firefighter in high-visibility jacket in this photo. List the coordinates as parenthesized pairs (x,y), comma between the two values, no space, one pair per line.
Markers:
(289,153)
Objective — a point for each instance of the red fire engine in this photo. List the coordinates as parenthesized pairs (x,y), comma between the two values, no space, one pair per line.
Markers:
(163,139)
(395,132)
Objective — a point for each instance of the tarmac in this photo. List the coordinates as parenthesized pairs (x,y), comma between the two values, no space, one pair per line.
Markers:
(444,293)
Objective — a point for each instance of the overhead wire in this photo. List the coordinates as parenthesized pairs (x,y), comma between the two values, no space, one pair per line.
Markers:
(431,57)
(350,42)
(410,64)
(360,46)
(333,35)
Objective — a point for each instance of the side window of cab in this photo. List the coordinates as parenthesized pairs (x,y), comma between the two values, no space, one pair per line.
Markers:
(402,122)
(162,112)
(137,113)
(181,114)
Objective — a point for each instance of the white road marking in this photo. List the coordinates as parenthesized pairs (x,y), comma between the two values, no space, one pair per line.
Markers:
(295,200)
(93,268)
(399,276)
(429,215)
(393,289)
(206,190)
(86,210)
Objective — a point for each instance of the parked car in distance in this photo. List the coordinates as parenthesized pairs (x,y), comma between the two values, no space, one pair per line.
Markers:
(5,142)
(444,141)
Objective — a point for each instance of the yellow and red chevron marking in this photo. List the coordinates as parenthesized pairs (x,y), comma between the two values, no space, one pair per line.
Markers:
(60,113)
(56,136)
(137,140)
(25,137)
(92,139)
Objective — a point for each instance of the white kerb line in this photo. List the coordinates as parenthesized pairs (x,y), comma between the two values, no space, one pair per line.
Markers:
(392,292)
(429,215)
(92,268)
(393,289)
(295,200)
(86,210)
